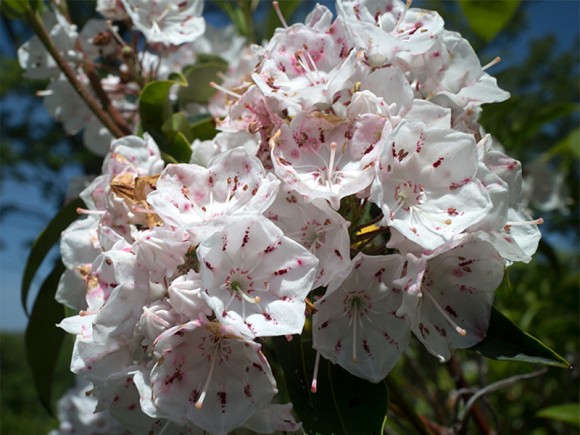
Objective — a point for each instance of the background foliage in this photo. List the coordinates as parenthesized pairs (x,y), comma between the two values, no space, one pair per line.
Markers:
(539,125)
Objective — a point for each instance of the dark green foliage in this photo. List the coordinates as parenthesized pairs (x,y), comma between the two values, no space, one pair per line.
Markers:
(22,412)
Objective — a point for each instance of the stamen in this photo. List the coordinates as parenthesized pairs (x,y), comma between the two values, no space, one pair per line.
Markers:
(538,221)
(279,13)
(333,147)
(402,17)
(457,328)
(224,90)
(355,321)
(138,209)
(314,385)
(247,298)
(492,63)
(199,402)
(94,212)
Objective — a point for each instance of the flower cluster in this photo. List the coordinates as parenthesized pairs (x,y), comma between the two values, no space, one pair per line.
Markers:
(350,185)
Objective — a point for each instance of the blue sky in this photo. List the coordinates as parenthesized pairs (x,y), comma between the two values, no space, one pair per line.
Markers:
(560,17)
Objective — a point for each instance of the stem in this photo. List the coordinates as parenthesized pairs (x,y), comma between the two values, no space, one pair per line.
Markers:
(454,368)
(398,400)
(106,104)
(496,386)
(38,27)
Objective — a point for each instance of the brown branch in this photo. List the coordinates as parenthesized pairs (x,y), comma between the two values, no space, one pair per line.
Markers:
(106,104)
(454,369)
(38,27)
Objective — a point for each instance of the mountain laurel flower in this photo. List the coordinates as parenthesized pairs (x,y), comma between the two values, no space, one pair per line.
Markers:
(349,193)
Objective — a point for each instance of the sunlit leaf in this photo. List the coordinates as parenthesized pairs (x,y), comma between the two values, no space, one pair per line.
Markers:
(203,128)
(43,338)
(200,75)
(566,412)
(154,105)
(488,17)
(46,240)
(343,403)
(178,122)
(570,145)
(505,341)
(14,8)
(156,112)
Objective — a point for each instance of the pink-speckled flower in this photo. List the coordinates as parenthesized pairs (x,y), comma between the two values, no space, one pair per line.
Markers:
(209,375)
(355,324)
(255,278)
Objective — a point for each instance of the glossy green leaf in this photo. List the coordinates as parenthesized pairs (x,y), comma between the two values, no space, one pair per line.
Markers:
(203,128)
(43,338)
(488,17)
(566,412)
(154,106)
(46,240)
(199,76)
(157,118)
(505,341)
(178,122)
(343,404)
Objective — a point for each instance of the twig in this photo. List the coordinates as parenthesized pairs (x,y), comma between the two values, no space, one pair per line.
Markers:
(454,368)
(35,22)
(494,387)
(398,400)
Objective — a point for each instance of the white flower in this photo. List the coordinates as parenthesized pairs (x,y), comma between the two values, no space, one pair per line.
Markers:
(447,296)
(355,324)
(255,278)
(167,21)
(426,184)
(208,375)
(202,199)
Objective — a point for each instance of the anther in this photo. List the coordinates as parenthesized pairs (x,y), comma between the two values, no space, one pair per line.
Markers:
(457,328)
(314,385)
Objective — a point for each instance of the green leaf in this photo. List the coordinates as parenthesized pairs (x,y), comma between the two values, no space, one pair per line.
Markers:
(14,8)
(505,341)
(488,17)
(343,404)
(200,75)
(570,145)
(566,412)
(154,106)
(43,338)
(203,128)
(178,123)
(45,240)
(157,118)
(504,121)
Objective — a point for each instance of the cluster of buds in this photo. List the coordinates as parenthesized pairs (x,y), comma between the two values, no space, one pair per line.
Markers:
(350,185)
